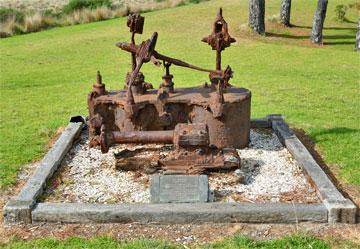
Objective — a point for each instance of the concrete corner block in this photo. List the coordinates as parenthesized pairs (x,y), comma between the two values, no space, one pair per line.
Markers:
(260,123)
(19,209)
(275,117)
(341,211)
(16,211)
(78,119)
(282,130)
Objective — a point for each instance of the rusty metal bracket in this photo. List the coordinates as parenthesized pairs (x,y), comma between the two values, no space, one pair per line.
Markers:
(168,84)
(220,38)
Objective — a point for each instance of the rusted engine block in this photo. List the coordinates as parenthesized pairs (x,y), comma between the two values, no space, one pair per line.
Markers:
(214,117)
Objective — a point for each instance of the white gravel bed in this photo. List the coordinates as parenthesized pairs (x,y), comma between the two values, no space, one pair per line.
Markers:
(87,175)
(271,175)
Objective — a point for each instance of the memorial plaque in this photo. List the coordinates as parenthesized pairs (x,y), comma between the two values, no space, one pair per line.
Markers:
(179,188)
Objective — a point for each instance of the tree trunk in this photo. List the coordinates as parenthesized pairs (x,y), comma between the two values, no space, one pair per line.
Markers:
(285,12)
(318,23)
(257,16)
(357,43)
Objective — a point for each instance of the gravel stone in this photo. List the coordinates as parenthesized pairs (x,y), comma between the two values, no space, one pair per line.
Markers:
(268,172)
(271,174)
(88,176)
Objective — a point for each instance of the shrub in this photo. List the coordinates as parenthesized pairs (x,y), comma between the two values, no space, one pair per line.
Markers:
(52,13)
(80,11)
(74,18)
(355,5)
(33,23)
(8,13)
(49,21)
(38,22)
(10,27)
(74,5)
(102,13)
(197,1)
(86,16)
(121,12)
(7,27)
(181,3)
(340,12)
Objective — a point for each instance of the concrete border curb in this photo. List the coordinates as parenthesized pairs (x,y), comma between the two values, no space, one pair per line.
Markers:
(339,208)
(334,207)
(18,209)
(180,213)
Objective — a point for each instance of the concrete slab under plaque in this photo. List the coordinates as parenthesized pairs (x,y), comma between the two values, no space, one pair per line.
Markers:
(179,188)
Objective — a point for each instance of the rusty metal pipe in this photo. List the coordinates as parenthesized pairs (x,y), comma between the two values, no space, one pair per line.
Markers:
(165,137)
(133,55)
(117,137)
(183,135)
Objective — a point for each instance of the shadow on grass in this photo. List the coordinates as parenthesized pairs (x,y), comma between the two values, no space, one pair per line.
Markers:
(298,37)
(339,37)
(326,28)
(301,37)
(348,21)
(335,131)
(340,43)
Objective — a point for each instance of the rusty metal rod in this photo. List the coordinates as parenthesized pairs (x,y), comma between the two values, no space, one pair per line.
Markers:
(133,55)
(181,63)
(218,60)
(133,48)
(165,137)
(130,97)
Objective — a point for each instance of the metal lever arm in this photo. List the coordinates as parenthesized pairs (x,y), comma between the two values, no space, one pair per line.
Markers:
(152,53)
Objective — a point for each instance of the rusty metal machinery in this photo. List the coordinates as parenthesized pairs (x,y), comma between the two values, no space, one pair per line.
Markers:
(214,117)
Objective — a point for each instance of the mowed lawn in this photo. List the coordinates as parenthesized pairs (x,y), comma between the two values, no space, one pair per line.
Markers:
(295,241)
(45,77)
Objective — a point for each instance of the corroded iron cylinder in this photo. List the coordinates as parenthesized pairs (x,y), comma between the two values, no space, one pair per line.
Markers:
(230,130)
(184,106)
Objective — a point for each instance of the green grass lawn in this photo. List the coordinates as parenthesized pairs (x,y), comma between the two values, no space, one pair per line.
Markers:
(45,77)
(240,242)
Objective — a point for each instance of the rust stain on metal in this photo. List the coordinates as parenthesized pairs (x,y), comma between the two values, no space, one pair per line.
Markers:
(184,135)
(203,123)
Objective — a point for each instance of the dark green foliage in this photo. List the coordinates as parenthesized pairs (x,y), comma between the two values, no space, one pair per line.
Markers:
(6,13)
(340,12)
(181,3)
(52,13)
(18,30)
(197,1)
(355,5)
(81,4)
